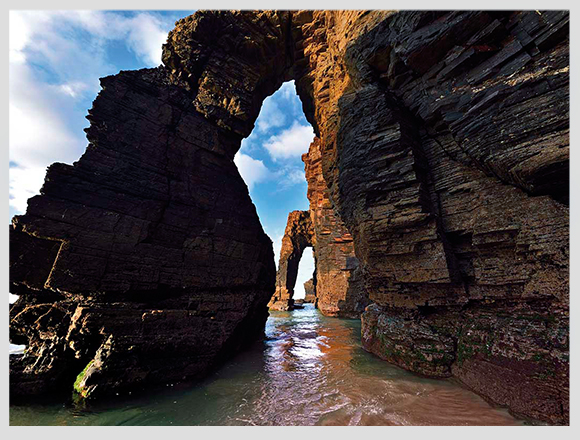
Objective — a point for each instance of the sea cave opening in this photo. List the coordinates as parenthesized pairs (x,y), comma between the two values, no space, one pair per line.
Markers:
(270,162)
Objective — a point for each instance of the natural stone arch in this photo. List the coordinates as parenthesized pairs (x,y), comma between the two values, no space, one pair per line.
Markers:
(423,117)
(298,235)
(159,250)
(232,60)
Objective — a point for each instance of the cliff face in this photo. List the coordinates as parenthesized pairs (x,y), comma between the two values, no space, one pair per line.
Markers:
(455,194)
(438,188)
(146,257)
(339,287)
(310,291)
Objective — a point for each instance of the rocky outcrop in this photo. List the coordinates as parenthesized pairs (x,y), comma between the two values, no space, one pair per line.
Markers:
(310,291)
(297,237)
(146,257)
(457,202)
(438,188)
(339,288)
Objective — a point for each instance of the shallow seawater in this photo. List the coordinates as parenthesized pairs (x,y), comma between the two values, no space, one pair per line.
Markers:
(309,370)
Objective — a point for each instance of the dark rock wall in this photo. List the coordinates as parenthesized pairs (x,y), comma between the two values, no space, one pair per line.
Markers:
(440,177)
(150,243)
(452,176)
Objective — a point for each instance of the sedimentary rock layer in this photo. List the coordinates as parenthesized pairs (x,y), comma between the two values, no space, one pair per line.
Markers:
(146,257)
(339,287)
(458,200)
(440,165)
(298,235)
(310,291)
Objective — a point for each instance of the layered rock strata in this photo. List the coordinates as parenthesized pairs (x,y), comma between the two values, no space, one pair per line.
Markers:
(336,290)
(310,291)
(145,259)
(458,200)
(339,287)
(298,235)
(443,155)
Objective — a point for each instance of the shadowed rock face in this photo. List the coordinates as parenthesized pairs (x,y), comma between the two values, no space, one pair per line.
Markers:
(146,256)
(440,166)
(462,235)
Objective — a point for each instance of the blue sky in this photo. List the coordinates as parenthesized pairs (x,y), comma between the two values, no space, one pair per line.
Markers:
(56,59)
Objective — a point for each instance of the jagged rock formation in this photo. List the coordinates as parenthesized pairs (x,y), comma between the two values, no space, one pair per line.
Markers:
(339,288)
(440,160)
(338,291)
(310,291)
(146,257)
(457,202)
(297,237)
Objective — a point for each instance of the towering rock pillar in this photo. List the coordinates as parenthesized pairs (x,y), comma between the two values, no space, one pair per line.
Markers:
(310,291)
(145,260)
(339,287)
(297,237)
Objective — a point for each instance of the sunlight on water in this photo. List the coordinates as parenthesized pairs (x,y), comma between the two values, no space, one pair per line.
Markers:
(309,370)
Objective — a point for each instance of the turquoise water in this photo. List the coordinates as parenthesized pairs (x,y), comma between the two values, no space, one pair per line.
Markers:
(309,370)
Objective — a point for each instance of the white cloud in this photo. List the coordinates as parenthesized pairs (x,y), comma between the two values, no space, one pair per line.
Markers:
(278,108)
(73,89)
(146,36)
(292,142)
(45,122)
(271,116)
(23,184)
(38,132)
(288,91)
(251,170)
(294,176)
(287,177)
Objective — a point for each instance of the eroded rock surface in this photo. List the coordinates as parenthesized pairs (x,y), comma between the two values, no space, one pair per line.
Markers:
(458,201)
(146,256)
(310,291)
(438,182)
(339,287)
(298,235)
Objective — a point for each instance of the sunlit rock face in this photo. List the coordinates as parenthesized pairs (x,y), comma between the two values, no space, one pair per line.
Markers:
(310,291)
(339,287)
(298,235)
(336,288)
(440,167)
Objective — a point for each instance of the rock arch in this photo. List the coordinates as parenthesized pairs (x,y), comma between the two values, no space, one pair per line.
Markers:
(161,267)
(298,236)
(443,151)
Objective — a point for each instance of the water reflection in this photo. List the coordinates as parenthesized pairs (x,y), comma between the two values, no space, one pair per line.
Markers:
(309,370)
